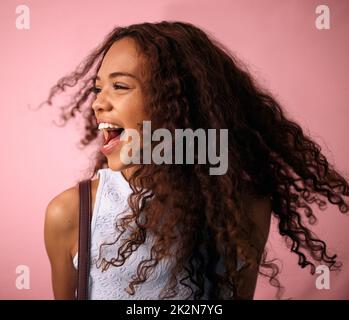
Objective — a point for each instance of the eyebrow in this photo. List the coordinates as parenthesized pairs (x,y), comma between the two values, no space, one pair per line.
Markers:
(118,74)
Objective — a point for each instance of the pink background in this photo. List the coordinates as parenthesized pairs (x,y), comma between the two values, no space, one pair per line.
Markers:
(306,69)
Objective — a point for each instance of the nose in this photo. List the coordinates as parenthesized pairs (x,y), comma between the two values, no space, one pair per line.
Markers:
(101,103)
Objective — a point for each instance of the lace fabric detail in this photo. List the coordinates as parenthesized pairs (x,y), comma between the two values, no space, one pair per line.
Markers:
(111,284)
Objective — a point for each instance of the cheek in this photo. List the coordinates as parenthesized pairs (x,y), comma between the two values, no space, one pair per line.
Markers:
(133,112)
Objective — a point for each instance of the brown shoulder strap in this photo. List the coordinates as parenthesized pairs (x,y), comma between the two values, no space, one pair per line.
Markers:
(85,215)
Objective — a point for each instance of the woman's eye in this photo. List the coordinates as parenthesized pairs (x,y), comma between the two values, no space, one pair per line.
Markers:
(117,86)
(96,90)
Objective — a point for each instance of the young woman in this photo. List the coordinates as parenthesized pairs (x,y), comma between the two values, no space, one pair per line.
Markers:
(175,231)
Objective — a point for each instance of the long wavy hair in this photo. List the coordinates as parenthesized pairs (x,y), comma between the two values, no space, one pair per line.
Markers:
(195,82)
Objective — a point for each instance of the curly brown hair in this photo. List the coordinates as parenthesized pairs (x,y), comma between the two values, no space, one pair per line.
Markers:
(195,82)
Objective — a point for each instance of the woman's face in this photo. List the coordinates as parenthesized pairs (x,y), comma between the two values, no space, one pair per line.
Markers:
(120,92)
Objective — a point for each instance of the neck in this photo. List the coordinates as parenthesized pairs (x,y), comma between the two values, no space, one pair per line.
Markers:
(127,172)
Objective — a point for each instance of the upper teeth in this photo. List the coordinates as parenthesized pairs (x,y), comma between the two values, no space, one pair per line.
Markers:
(104,125)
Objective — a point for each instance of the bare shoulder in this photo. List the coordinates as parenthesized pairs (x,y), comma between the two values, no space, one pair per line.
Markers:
(61,234)
(261,212)
(62,212)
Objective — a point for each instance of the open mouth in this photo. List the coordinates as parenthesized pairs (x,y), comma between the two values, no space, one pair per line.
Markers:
(112,133)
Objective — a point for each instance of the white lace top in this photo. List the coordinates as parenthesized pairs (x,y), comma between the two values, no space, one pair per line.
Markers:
(110,203)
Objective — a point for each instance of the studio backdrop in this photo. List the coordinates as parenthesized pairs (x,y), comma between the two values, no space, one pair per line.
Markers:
(297,49)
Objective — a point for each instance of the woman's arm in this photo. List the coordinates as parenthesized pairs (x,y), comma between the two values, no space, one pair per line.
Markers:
(261,216)
(60,225)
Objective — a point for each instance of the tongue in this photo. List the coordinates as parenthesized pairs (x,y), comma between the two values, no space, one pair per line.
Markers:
(113,134)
